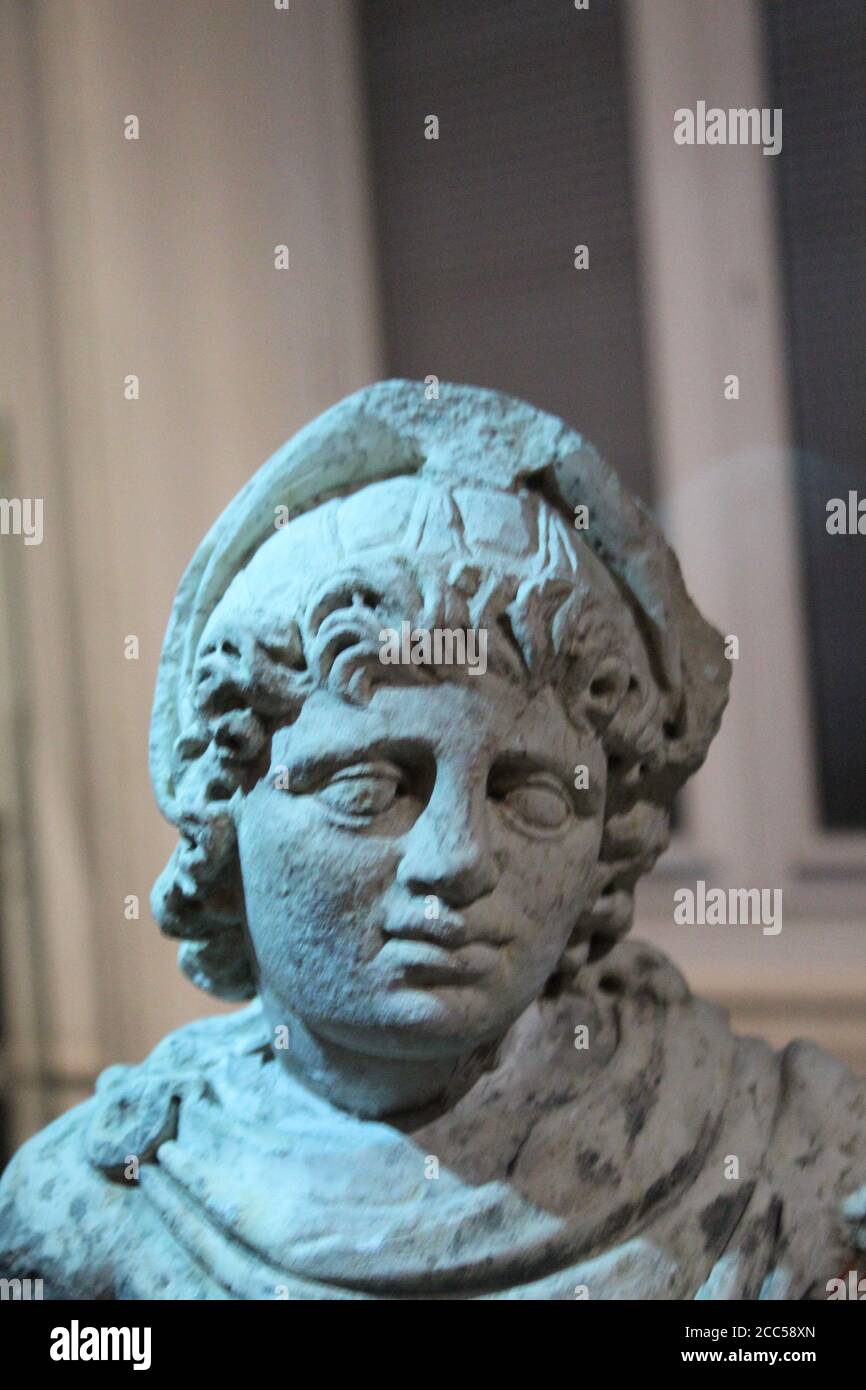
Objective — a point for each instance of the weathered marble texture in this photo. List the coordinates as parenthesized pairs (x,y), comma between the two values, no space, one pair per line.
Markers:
(456,1078)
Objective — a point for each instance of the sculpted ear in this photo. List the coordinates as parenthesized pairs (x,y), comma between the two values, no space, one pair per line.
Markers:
(198,897)
(606,690)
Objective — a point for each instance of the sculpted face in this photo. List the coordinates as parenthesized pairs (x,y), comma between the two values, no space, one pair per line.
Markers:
(413,868)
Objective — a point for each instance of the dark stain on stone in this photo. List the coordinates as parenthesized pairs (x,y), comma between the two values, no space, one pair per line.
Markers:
(494,1219)
(640,1100)
(764,1228)
(685,1168)
(591,1169)
(720,1219)
(683,1173)
(642,1094)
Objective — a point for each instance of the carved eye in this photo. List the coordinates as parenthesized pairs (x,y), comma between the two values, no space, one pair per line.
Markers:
(365,790)
(537,802)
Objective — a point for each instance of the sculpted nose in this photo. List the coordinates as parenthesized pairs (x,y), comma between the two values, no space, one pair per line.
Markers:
(448,851)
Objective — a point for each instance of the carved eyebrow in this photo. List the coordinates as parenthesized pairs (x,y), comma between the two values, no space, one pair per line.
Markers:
(522,763)
(525,759)
(306,769)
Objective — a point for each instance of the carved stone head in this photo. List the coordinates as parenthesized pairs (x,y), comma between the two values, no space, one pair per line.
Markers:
(403,853)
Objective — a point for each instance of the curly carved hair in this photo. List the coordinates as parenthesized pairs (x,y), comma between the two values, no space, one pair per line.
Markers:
(555,617)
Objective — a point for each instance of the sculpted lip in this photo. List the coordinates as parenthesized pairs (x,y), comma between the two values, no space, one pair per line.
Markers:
(426,962)
(451,933)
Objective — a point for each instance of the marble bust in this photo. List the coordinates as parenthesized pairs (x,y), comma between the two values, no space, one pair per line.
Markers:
(454,1076)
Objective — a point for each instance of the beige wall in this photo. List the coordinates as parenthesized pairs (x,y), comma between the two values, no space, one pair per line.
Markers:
(153,257)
